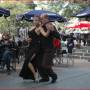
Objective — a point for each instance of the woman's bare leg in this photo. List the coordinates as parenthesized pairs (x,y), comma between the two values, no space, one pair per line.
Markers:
(31,67)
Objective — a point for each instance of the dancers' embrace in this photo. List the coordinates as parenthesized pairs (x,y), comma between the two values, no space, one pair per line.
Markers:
(40,53)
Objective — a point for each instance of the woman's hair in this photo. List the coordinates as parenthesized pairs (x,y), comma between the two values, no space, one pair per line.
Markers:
(36,16)
(6,35)
(44,16)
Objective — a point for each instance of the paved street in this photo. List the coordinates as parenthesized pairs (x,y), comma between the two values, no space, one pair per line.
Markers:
(77,76)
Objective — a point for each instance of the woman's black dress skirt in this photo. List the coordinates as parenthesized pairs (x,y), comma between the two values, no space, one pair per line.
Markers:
(25,72)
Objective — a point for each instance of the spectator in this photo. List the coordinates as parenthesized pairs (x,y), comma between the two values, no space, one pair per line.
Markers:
(70,45)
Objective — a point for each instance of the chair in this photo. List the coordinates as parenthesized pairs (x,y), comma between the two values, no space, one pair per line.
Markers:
(58,57)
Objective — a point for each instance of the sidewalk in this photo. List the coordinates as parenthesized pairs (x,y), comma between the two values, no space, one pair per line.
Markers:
(76,77)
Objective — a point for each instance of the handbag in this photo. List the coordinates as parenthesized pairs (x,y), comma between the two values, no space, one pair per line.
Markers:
(56,43)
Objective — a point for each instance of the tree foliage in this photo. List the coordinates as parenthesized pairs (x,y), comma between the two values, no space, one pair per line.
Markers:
(10,24)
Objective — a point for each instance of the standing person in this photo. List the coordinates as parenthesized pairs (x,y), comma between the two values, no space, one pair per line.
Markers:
(45,69)
(70,45)
(29,67)
(23,32)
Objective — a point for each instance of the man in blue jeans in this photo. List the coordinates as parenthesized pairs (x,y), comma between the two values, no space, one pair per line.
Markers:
(7,56)
(7,53)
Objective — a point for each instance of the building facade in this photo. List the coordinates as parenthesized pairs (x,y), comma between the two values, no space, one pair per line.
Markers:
(72,1)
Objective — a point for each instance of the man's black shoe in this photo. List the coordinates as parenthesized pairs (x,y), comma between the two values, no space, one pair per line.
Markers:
(43,80)
(54,78)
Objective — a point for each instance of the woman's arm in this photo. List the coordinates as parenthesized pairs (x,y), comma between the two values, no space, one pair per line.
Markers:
(29,40)
(32,28)
(50,26)
(45,34)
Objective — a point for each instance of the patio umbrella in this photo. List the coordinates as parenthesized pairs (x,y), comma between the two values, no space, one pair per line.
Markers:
(80,25)
(83,13)
(52,16)
(73,27)
(4,12)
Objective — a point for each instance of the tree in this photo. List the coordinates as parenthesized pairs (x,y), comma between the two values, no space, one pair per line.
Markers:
(11,24)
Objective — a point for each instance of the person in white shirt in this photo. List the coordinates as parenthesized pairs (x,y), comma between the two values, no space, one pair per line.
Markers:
(23,32)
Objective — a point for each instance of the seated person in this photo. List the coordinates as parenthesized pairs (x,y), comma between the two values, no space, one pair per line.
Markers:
(7,54)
